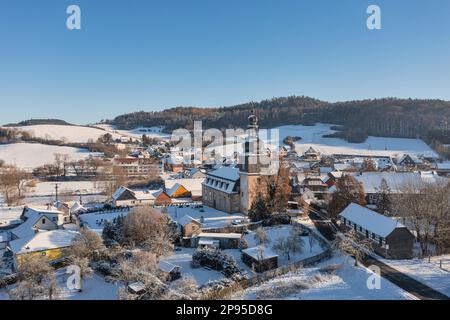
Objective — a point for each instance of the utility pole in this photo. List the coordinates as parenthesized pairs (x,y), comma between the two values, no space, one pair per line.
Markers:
(56,191)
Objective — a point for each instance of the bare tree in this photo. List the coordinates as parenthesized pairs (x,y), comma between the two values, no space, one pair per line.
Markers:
(352,244)
(147,227)
(87,244)
(282,247)
(425,208)
(36,279)
(261,236)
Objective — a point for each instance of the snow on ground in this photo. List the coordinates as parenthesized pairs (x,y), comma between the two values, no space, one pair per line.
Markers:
(31,155)
(375,146)
(212,218)
(183,259)
(9,215)
(93,288)
(95,220)
(348,283)
(65,187)
(67,133)
(312,136)
(282,231)
(427,273)
(151,132)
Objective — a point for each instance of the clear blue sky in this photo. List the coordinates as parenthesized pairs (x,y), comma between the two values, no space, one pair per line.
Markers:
(153,54)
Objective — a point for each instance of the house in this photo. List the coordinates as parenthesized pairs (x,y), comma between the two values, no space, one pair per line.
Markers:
(178,191)
(161,198)
(390,238)
(195,173)
(218,240)
(189,226)
(371,181)
(186,188)
(39,219)
(311,154)
(173,163)
(136,167)
(171,271)
(124,197)
(443,168)
(411,161)
(50,244)
(259,259)
(221,189)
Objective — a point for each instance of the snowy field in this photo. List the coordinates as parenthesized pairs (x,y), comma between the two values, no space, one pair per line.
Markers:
(347,283)
(427,273)
(65,187)
(31,155)
(66,133)
(312,136)
(151,132)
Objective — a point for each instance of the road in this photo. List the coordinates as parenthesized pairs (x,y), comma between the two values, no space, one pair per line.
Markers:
(410,285)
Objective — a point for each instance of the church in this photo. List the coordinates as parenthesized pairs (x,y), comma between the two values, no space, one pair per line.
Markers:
(233,189)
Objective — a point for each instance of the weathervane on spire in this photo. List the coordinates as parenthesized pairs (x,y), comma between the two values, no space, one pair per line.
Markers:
(253,119)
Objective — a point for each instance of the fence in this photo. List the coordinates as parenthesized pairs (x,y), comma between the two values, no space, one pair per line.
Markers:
(270,274)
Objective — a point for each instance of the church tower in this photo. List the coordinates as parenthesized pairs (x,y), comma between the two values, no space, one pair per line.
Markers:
(250,170)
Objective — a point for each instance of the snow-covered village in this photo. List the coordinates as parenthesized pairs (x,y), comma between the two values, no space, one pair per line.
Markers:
(246,153)
(152,222)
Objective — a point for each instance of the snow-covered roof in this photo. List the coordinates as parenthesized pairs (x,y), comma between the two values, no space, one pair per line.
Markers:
(119,192)
(167,266)
(257,253)
(184,220)
(192,185)
(413,157)
(220,235)
(342,166)
(138,195)
(26,229)
(228,173)
(372,180)
(444,165)
(4,236)
(370,220)
(174,159)
(44,240)
(223,179)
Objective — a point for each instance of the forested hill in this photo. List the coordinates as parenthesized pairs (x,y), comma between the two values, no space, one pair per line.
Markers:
(32,122)
(427,119)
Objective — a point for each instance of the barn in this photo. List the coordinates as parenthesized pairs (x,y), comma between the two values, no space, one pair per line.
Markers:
(390,238)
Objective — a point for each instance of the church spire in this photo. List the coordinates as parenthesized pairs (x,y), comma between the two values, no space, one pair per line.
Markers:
(253,119)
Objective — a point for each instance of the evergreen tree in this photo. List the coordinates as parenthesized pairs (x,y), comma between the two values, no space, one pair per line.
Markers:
(384,198)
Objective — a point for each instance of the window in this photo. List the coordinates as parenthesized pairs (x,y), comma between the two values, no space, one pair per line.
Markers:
(367,233)
(43,221)
(381,242)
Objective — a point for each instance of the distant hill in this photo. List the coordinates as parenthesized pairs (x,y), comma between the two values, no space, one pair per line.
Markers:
(408,118)
(32,122)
